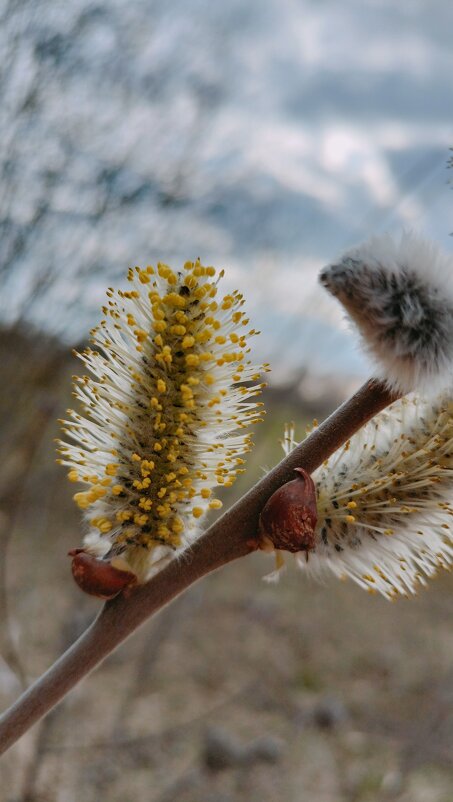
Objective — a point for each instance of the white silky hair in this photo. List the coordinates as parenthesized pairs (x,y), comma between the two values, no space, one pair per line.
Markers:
(399,294)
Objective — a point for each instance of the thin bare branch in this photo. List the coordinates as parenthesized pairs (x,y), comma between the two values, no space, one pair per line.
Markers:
(230,537)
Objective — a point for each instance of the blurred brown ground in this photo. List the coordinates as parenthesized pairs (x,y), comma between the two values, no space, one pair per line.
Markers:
(239,691)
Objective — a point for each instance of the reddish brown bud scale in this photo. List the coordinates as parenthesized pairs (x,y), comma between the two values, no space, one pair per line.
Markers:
(98,577)
(289,517)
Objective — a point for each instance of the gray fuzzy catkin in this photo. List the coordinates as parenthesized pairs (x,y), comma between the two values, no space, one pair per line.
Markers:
(399,293)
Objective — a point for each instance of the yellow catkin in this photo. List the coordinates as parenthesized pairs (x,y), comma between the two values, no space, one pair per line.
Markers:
(164,368)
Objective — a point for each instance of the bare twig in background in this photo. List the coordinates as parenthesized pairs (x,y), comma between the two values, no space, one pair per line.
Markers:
(226,540)
(157,636)
(163,628)
(29,792)
(20,444)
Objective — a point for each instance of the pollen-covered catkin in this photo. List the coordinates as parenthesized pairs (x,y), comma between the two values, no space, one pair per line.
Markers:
(384,500)
(164,414)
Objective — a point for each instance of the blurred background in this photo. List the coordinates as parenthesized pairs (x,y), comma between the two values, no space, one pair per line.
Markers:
(264,137)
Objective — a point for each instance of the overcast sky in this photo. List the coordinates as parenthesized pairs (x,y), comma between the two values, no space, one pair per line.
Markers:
(264,137)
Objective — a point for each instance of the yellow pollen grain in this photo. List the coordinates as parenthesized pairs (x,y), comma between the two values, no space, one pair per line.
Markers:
(197,512)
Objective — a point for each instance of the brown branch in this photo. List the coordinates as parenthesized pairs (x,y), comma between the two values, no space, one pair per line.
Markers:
(227,539)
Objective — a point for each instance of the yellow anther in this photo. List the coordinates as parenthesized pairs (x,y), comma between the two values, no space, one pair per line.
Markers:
(192,360)
(197,512)
(117,490)
(177,526)
(163,270)
(82,500)
(145,503)
(175,300)
(215,504)
(111,469)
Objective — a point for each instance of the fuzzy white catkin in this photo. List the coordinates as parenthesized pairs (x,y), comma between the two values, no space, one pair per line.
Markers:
(399,293)
(384,499)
